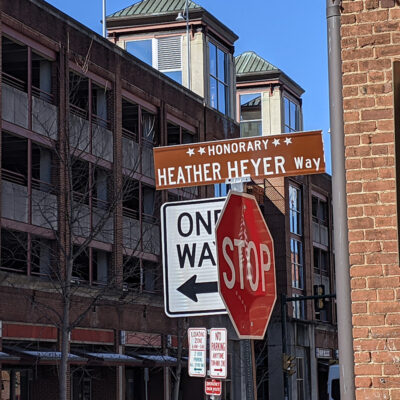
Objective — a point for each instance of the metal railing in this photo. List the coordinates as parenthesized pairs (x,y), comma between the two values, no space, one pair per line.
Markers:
(101,121)
(42,95)
(14,177)
(126,133)
(79,112)
(128,212)
(43,186)
(14,82)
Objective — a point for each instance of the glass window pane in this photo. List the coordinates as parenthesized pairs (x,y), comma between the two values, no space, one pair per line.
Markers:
(221,66)
(141,49)
(175,75)
(221,97)
(173,134)
(213,93)
(187,137)
(293,114)
(287,113)
(250,128)
(213,59)
(250,107)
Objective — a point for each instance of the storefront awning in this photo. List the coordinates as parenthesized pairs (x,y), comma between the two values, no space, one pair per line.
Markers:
(158,360)
(113,358)
(44,356)
(4,357)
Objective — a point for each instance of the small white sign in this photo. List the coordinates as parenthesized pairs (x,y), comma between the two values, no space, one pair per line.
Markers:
(197,338)
(218,353)
(189,257)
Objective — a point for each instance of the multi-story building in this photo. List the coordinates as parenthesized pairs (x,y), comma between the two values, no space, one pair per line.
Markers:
(80,241)
(268,101)
(299,214)
(156,32)
(371,77)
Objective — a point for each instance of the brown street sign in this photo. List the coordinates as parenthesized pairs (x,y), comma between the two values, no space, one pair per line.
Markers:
(225,161)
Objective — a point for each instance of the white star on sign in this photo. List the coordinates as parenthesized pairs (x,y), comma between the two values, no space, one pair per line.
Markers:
(190,152)
(288,141)
(276,142)
(202,150)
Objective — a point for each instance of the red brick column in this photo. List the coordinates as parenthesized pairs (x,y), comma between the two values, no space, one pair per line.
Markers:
(370,44)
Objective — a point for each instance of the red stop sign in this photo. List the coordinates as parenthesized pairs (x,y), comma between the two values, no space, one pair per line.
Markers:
(246,265)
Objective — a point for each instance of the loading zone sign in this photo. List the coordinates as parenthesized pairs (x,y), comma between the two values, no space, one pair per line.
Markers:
(197,351)
(189,257)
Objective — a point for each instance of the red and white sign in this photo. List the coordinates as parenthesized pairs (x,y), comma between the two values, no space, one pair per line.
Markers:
(213,387)
(197,338)
(218,353)
(246,265)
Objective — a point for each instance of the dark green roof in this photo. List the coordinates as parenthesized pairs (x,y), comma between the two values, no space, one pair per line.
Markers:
(249,62)
(154,7)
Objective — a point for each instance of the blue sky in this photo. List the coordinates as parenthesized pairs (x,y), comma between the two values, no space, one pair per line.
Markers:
(289,34)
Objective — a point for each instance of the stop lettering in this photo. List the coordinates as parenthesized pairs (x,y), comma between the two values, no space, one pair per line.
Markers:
(246,265)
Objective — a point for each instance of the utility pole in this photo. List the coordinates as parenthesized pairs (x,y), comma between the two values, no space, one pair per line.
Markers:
(343,290)
(104,18)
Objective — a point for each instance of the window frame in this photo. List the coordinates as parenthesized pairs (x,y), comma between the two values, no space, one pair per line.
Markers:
(260,120)
(226,84)
(154,54)
(287,126)
(296,245)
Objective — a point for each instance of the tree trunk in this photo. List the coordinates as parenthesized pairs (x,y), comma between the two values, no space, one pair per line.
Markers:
(65,331)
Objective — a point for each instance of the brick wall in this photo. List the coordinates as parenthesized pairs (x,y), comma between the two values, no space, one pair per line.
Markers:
(370,44)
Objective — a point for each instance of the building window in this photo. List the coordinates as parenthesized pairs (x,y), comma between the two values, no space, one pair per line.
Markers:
(142,49)
(296,255)
(320,221)
(178,135)
(296,240)
(26,253)
(321,262)
(221,189)
(14,246)
(250,115)
(151,277)
(298,308)
(219,80)
(89,123)
(91,266)
(15,67)
(295,209)
(164,54)
(292,116)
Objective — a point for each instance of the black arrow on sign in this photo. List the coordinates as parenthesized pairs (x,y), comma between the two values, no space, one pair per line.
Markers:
(191,289)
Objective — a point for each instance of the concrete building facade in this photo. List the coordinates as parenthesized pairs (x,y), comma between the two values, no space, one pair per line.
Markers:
(371,58)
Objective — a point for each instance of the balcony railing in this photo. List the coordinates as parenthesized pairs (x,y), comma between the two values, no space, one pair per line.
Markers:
(43,95)
(101,121)
(126,133)
(43,186)
(128,212)
(14,82)
(79,112)
(14,177)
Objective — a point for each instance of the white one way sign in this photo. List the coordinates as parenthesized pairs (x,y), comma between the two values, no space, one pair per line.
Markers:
(189,257)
